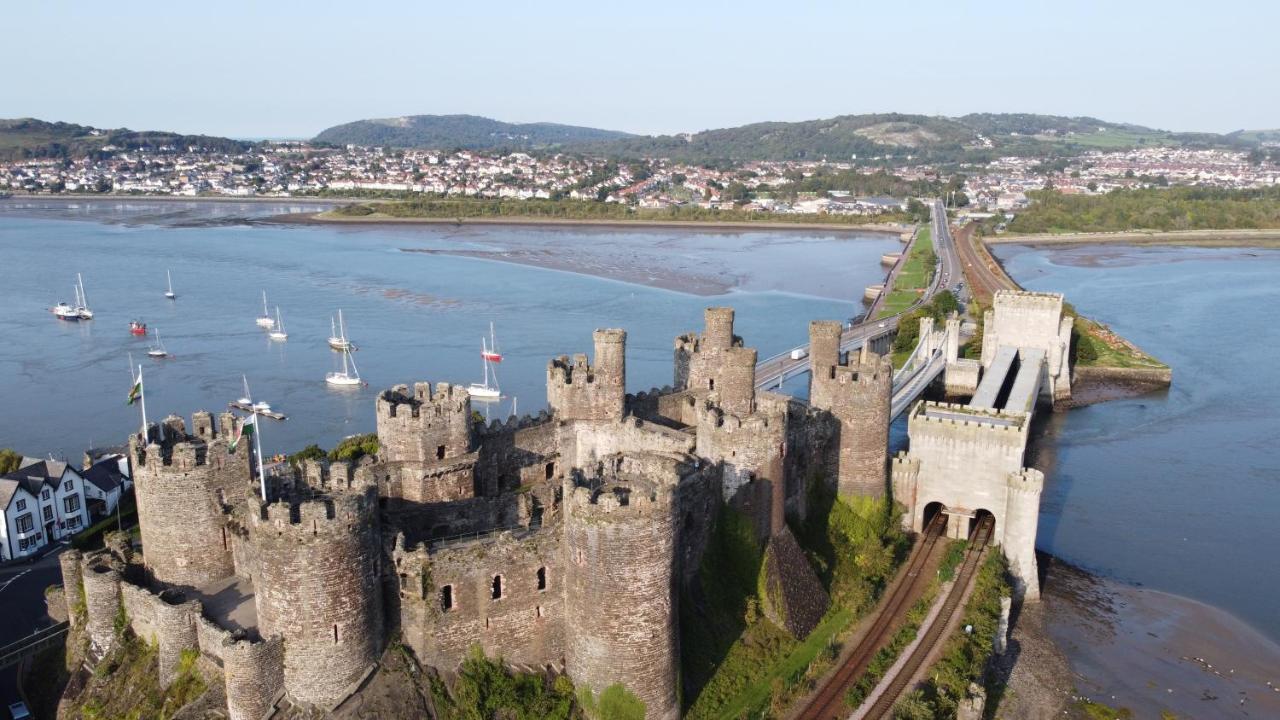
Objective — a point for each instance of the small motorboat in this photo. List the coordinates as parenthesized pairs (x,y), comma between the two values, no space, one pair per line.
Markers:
(63,311)
(137,327)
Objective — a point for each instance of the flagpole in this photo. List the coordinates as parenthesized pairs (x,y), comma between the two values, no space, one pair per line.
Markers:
(142,395)
(257,442)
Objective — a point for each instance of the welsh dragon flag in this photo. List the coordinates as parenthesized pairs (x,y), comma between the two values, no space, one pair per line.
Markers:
(135,391)
(246,429)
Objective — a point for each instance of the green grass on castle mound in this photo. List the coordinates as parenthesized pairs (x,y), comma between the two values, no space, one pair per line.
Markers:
(738,662)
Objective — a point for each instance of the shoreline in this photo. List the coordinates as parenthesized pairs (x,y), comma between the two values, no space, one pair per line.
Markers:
(1186,238)
(110,197)
(527,221)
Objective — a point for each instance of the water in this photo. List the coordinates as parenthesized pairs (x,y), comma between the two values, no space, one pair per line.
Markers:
(414,315)
(1176,490)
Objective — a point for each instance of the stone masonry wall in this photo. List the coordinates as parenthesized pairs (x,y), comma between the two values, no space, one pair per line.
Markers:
(524,624)
(424,424)
(578,390)
(102,604)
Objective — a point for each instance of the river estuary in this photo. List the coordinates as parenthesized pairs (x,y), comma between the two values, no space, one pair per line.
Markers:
(1174,491)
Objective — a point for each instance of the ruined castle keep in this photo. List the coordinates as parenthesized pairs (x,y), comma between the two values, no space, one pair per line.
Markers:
(558,541)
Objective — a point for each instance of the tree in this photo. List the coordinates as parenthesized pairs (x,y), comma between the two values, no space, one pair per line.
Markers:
(9,460)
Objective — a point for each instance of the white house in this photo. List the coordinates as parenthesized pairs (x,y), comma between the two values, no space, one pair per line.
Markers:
(105,483)
(60,491)
(20,535)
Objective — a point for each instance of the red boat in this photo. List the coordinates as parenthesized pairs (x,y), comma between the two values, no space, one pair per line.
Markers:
(137,327)
(490,352)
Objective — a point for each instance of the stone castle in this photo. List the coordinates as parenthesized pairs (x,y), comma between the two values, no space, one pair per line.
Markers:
(559,541)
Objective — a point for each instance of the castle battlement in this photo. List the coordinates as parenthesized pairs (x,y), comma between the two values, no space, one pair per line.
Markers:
(175,451)
(1026,299)
(712,416)
(423,402)
(1026,480)
(323,514)
(954,415)
(873,373)
(582,390)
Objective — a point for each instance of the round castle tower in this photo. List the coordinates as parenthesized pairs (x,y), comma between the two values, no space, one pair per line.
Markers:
(858,393)
(182,483)
(619,573)
(318,587)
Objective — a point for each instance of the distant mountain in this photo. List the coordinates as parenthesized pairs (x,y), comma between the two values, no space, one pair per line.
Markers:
(975,137)
(30,138)
(470,132)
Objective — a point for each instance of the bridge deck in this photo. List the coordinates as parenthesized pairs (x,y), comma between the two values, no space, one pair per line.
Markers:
(993,378)
(1026,386)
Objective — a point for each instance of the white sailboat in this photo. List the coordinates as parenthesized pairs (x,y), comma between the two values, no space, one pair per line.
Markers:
(63,311)
(485,391)
(247,399)
(278,333)
(349,376)
(157,349)
(265,320)
(338,335)
(82,303)
(169,293)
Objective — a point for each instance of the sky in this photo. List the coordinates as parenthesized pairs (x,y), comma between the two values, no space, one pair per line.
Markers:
(291,69)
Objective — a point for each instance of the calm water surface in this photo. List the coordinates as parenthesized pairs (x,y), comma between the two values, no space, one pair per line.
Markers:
(1178,491)
(415,316)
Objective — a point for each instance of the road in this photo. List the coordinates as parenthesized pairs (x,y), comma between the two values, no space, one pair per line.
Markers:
(770,372)
(23,609)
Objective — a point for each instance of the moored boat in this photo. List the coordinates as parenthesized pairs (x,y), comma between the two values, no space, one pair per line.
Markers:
(265,320)
(137,327)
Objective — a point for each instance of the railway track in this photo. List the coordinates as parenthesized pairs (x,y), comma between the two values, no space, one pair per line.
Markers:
(829,703)
(883,706)
(979,267)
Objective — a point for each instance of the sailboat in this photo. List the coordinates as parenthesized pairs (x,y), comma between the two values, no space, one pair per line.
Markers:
(349,375)
(265,320)
(157,350)
(338,335)
(63,311)
(246,402)
(82,303)
(491,352)
(278,333)
(485,391)
(169,293)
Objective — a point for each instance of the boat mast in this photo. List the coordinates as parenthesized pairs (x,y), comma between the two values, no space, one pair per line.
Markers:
(170,278)
(265,312)
(342,328)
(84,300)
(347,354)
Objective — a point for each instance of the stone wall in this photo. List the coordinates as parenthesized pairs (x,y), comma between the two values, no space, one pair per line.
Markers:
(1023,319)
(71,562)
(102,604)
(857,391)
(181,486)
(319,588)
(448,603)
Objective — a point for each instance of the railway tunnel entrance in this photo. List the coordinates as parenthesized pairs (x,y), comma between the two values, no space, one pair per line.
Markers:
(931,511)
(976,521)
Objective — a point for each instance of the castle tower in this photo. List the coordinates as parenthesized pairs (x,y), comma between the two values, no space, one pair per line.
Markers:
(750,450)
(736,389)
(698,356)
(858,393)
(318,587)
(1022,521)
(425,426)
(579,390)
(182,485)
(102,604)
(824,356)
(71,561)
(619,544)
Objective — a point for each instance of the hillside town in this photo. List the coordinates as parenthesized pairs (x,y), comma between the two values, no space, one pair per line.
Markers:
(299,169)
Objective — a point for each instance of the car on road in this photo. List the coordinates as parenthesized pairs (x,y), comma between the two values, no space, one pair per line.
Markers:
(882,324)
(799,353)
(19,711)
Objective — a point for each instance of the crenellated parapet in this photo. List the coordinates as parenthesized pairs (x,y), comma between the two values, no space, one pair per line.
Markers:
(582,390)
(857,390)
(424,423)
(716,360)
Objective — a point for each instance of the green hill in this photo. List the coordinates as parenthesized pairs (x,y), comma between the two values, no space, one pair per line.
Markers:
(30,138)
(469,132)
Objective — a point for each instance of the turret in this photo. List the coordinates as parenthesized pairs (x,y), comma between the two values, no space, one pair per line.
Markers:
(182,486)
(824,355)
(318,587)
(619,579)
(426,425)
(579,390)
(1022,521)
(698,356)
